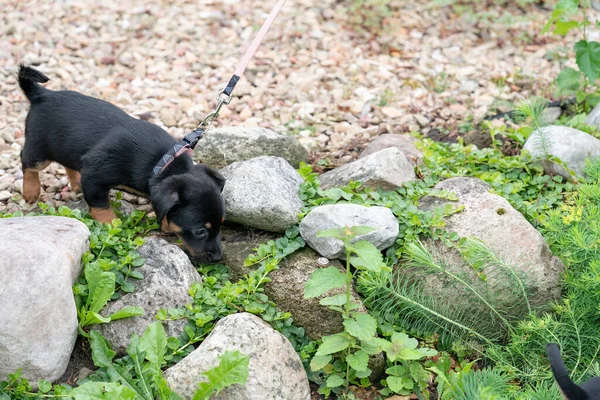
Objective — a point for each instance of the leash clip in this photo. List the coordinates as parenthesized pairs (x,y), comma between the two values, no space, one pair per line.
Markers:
(222,99)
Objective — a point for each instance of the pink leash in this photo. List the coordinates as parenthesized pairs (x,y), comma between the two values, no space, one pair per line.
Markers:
(191,139)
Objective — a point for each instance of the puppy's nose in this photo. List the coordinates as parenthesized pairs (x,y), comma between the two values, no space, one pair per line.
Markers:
(214,256)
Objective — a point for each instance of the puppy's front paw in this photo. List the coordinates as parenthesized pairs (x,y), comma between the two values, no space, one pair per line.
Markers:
(74,180)
(103,215)
(31,187)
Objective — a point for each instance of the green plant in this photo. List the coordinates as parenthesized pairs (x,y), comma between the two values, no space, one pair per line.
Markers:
(101,287)
(358,341)
(587,53)
(467,384)
(232,370)
(403,298)
(405,374)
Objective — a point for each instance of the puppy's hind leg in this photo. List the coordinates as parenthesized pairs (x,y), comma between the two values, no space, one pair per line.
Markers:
(32,165)
(95,193)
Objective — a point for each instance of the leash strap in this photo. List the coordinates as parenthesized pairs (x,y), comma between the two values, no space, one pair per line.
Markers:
(190,141)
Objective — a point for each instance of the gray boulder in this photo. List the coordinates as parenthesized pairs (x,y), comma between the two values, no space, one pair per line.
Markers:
(262,193)
(41,260)
(491,219)
(593,118)
(224,146)
(387,169)
(570,145)
(404,143)
(286,289)
(168,274)
(340,215)
(275,371)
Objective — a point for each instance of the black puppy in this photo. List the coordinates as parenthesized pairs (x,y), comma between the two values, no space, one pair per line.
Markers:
(588,390)
(102,147)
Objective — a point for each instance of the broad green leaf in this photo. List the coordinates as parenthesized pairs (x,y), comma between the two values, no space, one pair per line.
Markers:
(587,55)
(337,300)
(322,281)
(556,14)
(94,318)
(410,354)
(396,370)
(338,233)
(563,27)
(101,352)
(126,312)
(136,274)
(333,343)
(365,256)
(319,362)
(568,6)
(363,374)
(92,272)
(405,340)
(568,80)
(154,344)
(102,391)
(375,345)
(44,386)
(361,326)
(335,381)
(361,230)
(395,383)
(232,369)
(103,291)
(358,360)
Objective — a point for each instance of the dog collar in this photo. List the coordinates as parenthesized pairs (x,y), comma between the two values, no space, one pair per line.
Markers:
(186,145)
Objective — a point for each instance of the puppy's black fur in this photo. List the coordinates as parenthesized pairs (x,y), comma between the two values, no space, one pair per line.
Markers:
(110,149)
(588,390)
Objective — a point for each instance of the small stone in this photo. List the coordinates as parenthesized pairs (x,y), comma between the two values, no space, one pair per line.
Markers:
(340,215)
(224,146)
(392,112)
(570,145)
(387,169)
(405,143)
(262,193)
(5,195)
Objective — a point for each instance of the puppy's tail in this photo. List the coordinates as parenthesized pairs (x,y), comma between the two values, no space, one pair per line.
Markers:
(29,81)
(567,386)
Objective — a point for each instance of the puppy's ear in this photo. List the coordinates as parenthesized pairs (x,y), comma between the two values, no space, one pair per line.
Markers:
(214,175)
(165,196)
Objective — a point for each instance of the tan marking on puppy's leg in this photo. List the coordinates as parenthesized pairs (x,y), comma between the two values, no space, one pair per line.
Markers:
(164,225)
(74,179)
(103,215)
(31,185)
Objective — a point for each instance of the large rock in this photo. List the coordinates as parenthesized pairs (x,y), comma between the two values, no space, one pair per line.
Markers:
(224,146)
(168,274)
(41,260)
(404,143)
(570,145)
(262,193)
(339,215)
(275,370)
(504,230)
(286,289)
(387,169)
